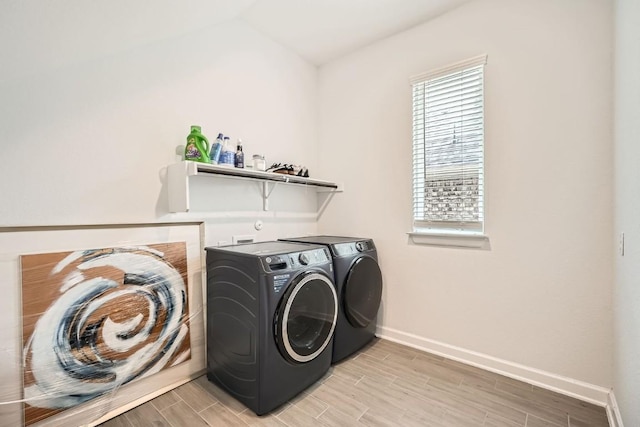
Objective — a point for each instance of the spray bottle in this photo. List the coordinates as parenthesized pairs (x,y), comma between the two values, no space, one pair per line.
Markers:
(216,149)
(226,157)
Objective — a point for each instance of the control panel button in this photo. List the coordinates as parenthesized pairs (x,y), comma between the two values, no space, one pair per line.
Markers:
(360,246)
(304,259)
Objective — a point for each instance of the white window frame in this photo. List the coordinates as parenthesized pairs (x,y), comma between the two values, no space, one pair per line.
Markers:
(440,232)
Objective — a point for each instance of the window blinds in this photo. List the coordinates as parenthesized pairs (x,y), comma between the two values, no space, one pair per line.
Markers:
(448,148)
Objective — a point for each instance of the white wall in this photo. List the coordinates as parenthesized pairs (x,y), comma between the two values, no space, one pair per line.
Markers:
(86,140)
(627,211)
(541,296)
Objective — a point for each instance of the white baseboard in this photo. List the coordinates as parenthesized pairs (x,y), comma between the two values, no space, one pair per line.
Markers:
(568,386)
(613,412)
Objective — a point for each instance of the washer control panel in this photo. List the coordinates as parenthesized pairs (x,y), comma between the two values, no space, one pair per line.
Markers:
(296,260)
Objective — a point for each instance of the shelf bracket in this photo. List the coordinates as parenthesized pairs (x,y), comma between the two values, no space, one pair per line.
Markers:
(266,192)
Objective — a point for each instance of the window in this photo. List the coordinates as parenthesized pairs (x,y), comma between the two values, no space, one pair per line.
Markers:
(448,149)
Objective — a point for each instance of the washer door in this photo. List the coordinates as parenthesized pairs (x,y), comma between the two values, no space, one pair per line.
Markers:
(362,292)
(306,317)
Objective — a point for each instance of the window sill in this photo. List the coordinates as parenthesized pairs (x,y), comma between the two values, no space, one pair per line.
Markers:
(451,240)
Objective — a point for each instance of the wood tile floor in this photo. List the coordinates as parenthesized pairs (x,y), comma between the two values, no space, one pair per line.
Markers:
(386,384)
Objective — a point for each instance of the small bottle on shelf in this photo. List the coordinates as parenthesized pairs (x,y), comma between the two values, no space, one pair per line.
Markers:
(239,156)
(226,158)
(259,163)
(216,149)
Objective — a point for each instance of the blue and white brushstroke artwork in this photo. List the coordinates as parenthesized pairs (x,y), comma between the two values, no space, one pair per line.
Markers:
(97,319)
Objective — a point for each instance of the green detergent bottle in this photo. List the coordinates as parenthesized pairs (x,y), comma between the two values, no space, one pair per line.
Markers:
(197,148)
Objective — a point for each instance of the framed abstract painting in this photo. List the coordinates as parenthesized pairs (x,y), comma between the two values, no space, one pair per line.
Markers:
(96,319)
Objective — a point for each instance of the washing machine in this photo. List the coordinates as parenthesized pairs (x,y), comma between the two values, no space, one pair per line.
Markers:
(359,286)
(271,314)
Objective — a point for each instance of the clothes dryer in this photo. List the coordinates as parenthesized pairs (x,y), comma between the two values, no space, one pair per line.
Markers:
(271,314)
(359,286)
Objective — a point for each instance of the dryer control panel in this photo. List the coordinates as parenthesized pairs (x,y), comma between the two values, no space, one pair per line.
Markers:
(353,248)
(296,260)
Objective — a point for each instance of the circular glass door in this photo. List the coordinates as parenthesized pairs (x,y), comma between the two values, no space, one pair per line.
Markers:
(306,317)
(362,292)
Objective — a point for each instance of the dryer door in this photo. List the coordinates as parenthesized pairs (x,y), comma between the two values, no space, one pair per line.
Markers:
(362,291)
(306,317)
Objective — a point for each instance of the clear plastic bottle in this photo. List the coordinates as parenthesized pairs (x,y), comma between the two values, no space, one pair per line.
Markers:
(259,163)
(239,156)
(226,158)
(216,149)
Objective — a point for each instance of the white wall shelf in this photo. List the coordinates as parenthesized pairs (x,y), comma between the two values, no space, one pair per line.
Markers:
(178,175)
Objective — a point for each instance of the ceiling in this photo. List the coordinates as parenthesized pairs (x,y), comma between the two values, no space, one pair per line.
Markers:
(322,30)
(37,33)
